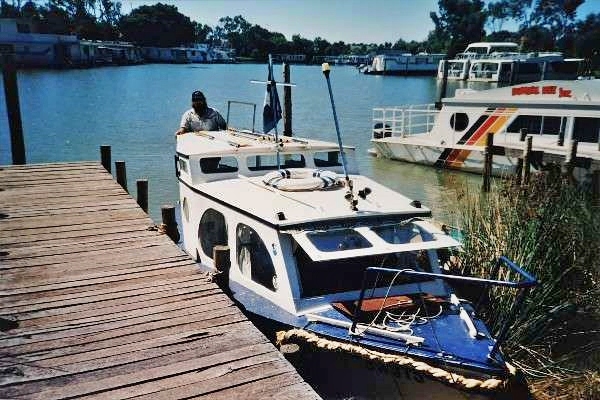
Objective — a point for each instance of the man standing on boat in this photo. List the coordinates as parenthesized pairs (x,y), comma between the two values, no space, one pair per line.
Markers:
(200,117)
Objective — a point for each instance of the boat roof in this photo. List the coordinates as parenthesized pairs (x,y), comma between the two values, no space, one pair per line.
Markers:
(549,92)
(315,209)
(219,143)
(492,44)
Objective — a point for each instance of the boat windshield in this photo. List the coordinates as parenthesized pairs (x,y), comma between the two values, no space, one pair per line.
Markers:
(344,272)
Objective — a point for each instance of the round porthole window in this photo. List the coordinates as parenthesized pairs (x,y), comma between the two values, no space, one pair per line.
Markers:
(459,121)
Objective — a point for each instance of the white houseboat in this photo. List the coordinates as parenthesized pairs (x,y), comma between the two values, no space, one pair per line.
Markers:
(502,62)
(554,113)
(404,64)
(336,259)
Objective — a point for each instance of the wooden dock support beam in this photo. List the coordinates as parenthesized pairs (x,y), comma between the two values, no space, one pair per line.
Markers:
(595,188)
(121,174)
(11,97)
(287,102)
(569,164)
(527,160)
(105,157)
(142,194)
(488,160)
(170,222)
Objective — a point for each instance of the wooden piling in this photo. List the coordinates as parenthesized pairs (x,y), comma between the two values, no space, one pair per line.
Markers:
(488,160)
(287,102)
(595,189)
(121,174)
(142,194)
(170,222)
(569,164)
(522,134)
(518,171)
(11,96)
(105,157)
(527,161)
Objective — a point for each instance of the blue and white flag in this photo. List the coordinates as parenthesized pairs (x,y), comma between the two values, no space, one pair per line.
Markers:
(272,108)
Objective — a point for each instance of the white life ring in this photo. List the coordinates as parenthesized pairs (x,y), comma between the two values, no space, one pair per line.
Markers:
(298,179)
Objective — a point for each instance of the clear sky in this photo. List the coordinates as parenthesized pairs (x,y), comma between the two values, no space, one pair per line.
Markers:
(351,21)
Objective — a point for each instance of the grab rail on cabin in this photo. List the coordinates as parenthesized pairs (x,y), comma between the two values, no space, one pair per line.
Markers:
(403,121)
(523,287)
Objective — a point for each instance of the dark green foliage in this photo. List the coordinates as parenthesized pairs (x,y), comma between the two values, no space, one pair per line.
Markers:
(553,232)
(159,25)
(459,23)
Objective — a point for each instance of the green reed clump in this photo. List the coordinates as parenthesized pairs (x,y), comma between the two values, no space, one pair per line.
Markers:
(552,230)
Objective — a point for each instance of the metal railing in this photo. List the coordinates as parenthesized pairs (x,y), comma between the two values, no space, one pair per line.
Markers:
(403,121)
(523,286)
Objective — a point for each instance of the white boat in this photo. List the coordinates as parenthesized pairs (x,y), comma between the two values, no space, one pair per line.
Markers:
(404,64)
(336,259)
(554,113)
(502,62)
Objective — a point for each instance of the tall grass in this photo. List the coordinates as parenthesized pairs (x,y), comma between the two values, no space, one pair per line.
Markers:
(552,229)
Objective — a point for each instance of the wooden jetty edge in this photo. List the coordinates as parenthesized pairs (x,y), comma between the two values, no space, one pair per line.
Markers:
(95,305)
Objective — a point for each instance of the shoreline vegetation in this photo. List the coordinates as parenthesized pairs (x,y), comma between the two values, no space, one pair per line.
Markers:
(551,228)
(549,25)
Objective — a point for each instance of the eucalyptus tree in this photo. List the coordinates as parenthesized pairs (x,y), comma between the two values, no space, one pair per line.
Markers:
(458,23)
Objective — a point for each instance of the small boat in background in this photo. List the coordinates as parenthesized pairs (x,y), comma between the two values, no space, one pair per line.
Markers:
(404,64)
(553,113)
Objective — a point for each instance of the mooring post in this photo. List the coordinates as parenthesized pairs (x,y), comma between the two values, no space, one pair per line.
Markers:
(169,222)
(105,157)
(13,110)
(522,134)
(438,105)
(527,160)
(596,188)
(121,174)
(142,194)
(518,171)
(488,160)
(287,102)
(569,164)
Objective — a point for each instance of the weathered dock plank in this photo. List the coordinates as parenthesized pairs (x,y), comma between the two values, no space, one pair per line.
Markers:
(95,305)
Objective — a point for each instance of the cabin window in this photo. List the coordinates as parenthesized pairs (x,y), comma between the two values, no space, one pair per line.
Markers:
(186,209)
(586,129)
(346,274)
(183,164)
(269,161)
(253,258)
(459,121)
(327,159)
(536,124)
(212,231)
(401,233)
(218,165)
(338,240)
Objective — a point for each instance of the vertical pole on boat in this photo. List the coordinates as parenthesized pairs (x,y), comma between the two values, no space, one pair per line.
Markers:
(527,160)
(287,102)
(488,159)
(438,105)
(272,88)
(350,194)
(11,97)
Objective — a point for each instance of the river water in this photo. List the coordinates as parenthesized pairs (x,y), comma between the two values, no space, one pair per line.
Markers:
(67,115)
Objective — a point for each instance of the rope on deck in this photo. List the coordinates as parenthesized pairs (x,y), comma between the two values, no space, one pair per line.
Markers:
(491,384)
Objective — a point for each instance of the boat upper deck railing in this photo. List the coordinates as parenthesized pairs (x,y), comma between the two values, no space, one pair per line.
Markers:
(403,121)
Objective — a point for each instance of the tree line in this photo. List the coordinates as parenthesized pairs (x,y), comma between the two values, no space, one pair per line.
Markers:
(543,25)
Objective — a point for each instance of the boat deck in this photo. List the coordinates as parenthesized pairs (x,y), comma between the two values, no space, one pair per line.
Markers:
(93,304)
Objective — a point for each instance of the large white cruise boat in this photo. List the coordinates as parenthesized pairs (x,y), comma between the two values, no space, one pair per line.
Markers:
(553,113)
(502,62)
(337,261)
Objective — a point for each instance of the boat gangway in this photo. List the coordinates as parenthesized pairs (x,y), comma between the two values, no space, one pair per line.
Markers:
(93,304)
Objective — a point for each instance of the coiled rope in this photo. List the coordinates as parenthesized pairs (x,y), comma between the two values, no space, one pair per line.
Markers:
(463,382)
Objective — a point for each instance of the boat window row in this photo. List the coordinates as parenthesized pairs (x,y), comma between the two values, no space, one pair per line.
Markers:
(252,255)
(585,129)
(267,162)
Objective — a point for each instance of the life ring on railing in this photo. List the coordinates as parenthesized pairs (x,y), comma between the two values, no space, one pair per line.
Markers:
(298,179)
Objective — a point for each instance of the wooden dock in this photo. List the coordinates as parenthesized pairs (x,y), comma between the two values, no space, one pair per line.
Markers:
(95,305)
